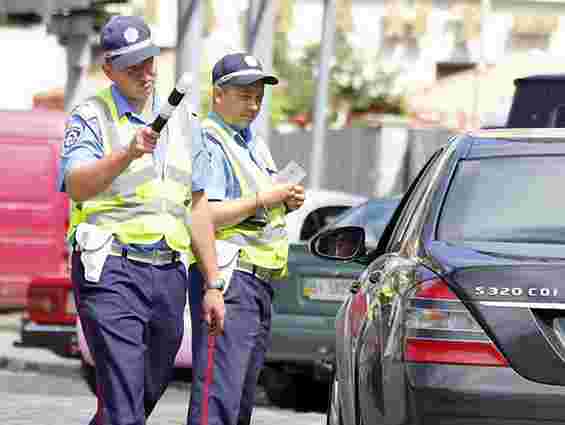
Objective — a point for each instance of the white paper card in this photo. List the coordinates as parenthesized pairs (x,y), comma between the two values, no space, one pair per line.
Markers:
(293,173)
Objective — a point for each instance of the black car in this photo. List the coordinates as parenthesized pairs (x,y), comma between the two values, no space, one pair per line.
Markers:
(459,315)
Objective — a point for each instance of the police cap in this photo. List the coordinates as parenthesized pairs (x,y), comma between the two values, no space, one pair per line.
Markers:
(240,69)
(126,41)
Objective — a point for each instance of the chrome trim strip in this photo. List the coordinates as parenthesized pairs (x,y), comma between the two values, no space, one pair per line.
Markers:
(35,327)
(486,339)
(554,306)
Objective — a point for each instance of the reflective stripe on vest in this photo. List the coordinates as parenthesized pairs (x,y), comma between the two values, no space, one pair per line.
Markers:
(266,247)
(141,206)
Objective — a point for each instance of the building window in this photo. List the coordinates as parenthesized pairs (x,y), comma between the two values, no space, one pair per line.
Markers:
(532,32)
(446,69)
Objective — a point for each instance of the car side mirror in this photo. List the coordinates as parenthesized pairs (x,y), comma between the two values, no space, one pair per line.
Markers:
(343,243)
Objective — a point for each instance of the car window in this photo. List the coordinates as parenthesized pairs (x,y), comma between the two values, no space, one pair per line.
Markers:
(418,189)
(372,216)
(318,219)
(505,199)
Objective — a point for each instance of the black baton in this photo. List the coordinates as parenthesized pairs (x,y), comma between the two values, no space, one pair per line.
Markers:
(176,96)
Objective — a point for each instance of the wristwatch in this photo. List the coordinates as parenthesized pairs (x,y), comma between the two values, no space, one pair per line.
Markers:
(218,284)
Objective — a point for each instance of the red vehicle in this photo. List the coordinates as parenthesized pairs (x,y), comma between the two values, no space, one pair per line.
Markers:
(34,214)
(49,320)
(33,252)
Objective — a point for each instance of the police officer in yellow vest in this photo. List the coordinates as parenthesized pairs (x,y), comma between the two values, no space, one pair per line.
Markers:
(136,195)
(248,210)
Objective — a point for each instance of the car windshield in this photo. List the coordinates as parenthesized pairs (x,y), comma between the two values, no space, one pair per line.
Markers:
(372,216)
(506,200)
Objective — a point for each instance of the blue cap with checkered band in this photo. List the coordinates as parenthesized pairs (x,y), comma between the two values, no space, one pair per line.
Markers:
(126,41)
(240,69)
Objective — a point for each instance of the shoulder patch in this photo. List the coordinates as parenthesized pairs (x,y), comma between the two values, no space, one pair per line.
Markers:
(88,109)
(72,134)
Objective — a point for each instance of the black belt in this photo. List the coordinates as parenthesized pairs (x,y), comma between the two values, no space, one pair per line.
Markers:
(155,257)
(261,272)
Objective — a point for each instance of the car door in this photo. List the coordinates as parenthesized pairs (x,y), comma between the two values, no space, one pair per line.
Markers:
(375,376)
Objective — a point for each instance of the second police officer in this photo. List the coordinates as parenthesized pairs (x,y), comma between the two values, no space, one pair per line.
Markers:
(248,210)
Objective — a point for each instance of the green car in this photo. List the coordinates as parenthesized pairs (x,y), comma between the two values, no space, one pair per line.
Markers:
(305,304)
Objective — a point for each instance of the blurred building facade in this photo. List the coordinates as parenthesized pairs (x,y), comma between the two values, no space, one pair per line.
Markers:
(425,42)
(455,59)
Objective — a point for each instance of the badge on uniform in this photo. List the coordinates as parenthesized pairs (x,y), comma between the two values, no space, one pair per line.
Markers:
(72,135)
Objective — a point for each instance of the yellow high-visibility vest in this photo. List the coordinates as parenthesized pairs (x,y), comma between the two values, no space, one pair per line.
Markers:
(263,246)
(141,206)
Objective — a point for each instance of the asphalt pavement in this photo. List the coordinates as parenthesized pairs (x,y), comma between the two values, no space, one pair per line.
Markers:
(44,361)
(40,360)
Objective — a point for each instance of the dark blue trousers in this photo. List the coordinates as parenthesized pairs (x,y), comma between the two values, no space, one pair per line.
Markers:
(226,368)
(133,324)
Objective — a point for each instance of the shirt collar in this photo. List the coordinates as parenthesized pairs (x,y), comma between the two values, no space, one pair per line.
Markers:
(124,107)
(245,135)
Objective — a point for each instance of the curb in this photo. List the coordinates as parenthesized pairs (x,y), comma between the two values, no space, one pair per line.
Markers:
(10,322)
(9,327)
(17,358)
(6,328)
(19,365)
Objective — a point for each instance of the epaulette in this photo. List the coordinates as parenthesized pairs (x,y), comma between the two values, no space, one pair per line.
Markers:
(87,110)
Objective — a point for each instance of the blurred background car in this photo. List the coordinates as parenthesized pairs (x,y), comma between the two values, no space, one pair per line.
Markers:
(300,360)
(34,213)
(35,217)
(459,315)
(49,318)
(373,216)
(320,208)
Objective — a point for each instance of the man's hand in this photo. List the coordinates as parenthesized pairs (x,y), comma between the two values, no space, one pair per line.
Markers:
(214,310)
(297,198)
(144,142)
(278,194)
(88,180)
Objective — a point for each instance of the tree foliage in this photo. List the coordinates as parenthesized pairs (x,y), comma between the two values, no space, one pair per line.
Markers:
(294,96)
(365,84)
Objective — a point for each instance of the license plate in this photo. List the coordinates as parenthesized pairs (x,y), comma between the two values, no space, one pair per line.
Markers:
(329,289)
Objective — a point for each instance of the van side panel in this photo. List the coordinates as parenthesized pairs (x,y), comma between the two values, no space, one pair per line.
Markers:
(34,215)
